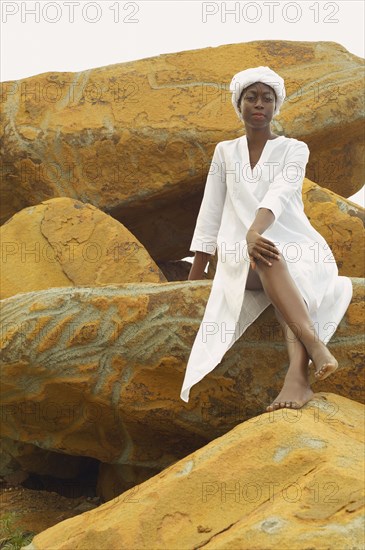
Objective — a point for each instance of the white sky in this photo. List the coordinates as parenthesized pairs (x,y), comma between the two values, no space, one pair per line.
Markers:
(74,35)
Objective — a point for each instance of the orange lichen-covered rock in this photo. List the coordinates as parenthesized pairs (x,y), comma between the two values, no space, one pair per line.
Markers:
(136,139)
(341,223)
(64,242)
(98,371)
(291,480)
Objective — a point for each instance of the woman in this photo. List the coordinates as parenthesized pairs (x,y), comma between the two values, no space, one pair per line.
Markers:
(252,205)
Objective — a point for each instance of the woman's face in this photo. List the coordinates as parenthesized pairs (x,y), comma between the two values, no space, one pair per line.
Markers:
(257,99)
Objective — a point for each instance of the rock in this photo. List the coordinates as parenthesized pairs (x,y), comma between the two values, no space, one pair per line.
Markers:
(115,479)
(102,378)
(292,480)
(17,456)
(341,223)
(64,242)
(176,270)
(93,136)
(16,478)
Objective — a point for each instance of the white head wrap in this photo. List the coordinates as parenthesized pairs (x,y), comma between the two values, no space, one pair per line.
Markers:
(241,80)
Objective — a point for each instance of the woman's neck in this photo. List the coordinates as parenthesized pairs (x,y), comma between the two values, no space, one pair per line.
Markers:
(257,138)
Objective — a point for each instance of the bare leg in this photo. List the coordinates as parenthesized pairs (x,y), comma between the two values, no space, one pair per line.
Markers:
(286,298)
(296,390)
(253,280)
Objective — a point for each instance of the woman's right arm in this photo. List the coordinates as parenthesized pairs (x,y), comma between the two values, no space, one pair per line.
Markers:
(199,264)
(204,241)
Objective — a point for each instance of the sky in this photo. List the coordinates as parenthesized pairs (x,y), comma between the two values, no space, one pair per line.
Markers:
(75,35)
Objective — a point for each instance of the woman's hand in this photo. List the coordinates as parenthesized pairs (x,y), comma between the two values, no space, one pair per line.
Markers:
(260,248)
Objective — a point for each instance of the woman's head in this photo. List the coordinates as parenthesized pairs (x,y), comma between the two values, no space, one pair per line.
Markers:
(256,89)
(259,82)
(257,99)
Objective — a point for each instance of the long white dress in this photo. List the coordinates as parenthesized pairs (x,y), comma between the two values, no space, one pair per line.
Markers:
(232,196)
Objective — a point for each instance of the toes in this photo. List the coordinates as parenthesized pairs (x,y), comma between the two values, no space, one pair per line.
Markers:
(273,407)
(291,405)
(325,370)
(282,405)
(321,371)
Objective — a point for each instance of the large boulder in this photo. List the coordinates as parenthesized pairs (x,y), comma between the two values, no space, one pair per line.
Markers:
(136,139)
(290,480)
(98,371)
(114,479)
(64,242)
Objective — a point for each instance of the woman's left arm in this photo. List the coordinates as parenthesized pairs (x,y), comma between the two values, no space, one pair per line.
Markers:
(288,181)
(285,184)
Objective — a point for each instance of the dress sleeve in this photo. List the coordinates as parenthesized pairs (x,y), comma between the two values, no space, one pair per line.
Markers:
(288,181)
(211,208)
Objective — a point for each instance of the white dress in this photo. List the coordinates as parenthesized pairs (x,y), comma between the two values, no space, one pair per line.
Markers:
(233,193)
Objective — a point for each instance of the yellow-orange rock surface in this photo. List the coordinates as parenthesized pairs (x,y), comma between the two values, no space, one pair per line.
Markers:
(114,479)
(341,223)
(98,371)
(290,480)
(64,242)
(136,139)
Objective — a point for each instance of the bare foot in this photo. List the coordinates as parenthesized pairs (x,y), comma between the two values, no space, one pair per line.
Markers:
(294,394)
(324,361)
